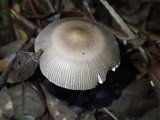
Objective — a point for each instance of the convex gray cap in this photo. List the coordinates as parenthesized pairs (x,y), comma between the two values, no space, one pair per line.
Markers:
(77,53)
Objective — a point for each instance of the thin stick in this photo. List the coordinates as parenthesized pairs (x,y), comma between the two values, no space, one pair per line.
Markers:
(25,21)
(88,8)
(109,113)
(34,12)
(118,19)
(122,24)
(50,6)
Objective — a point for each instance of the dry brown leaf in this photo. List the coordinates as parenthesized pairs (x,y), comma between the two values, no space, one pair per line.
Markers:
(6,105)
(26,101)
(133,100)
(23,68)
(57,109)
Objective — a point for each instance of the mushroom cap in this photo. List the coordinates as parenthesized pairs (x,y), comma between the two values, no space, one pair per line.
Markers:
(77,53)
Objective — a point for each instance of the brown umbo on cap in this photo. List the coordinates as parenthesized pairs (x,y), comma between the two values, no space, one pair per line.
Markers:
(77,53)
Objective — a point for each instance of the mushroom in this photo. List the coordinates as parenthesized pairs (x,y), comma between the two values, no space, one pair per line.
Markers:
(77,53)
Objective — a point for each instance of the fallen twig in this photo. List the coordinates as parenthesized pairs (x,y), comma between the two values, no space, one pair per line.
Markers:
(109,113)
(118,19)
(25,21)
(124,26)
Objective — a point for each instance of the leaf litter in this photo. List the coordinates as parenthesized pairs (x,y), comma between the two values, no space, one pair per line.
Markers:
(127,93)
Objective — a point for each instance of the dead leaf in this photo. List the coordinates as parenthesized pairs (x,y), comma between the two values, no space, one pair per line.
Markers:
(86,116)
(152,49)
(11,48)
(6,105)
(23,68)
(134,100)
(5,62)
(150,115)
(26,101)
(57,109)
(74,13)
(155,68)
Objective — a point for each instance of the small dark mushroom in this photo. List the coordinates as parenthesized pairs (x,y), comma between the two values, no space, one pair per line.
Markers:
(77,53)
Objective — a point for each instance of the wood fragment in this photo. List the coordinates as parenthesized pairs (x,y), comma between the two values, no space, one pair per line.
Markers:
(118,19)
(25,21)
(109,113)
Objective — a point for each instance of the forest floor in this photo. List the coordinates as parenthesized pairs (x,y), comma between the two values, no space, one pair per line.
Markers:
(132,92)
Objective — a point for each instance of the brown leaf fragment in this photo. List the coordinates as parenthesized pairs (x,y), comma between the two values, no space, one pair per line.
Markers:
(11,48)
(155,75)
(23,68)
(4,75)
(6,105)
(152,49)
(69,4)
(134,100)
(26,101)
(5,62)
(150,115)
(138,17)
(74,13)
(155,68)
(86,116)
(137,42)
(57,109)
